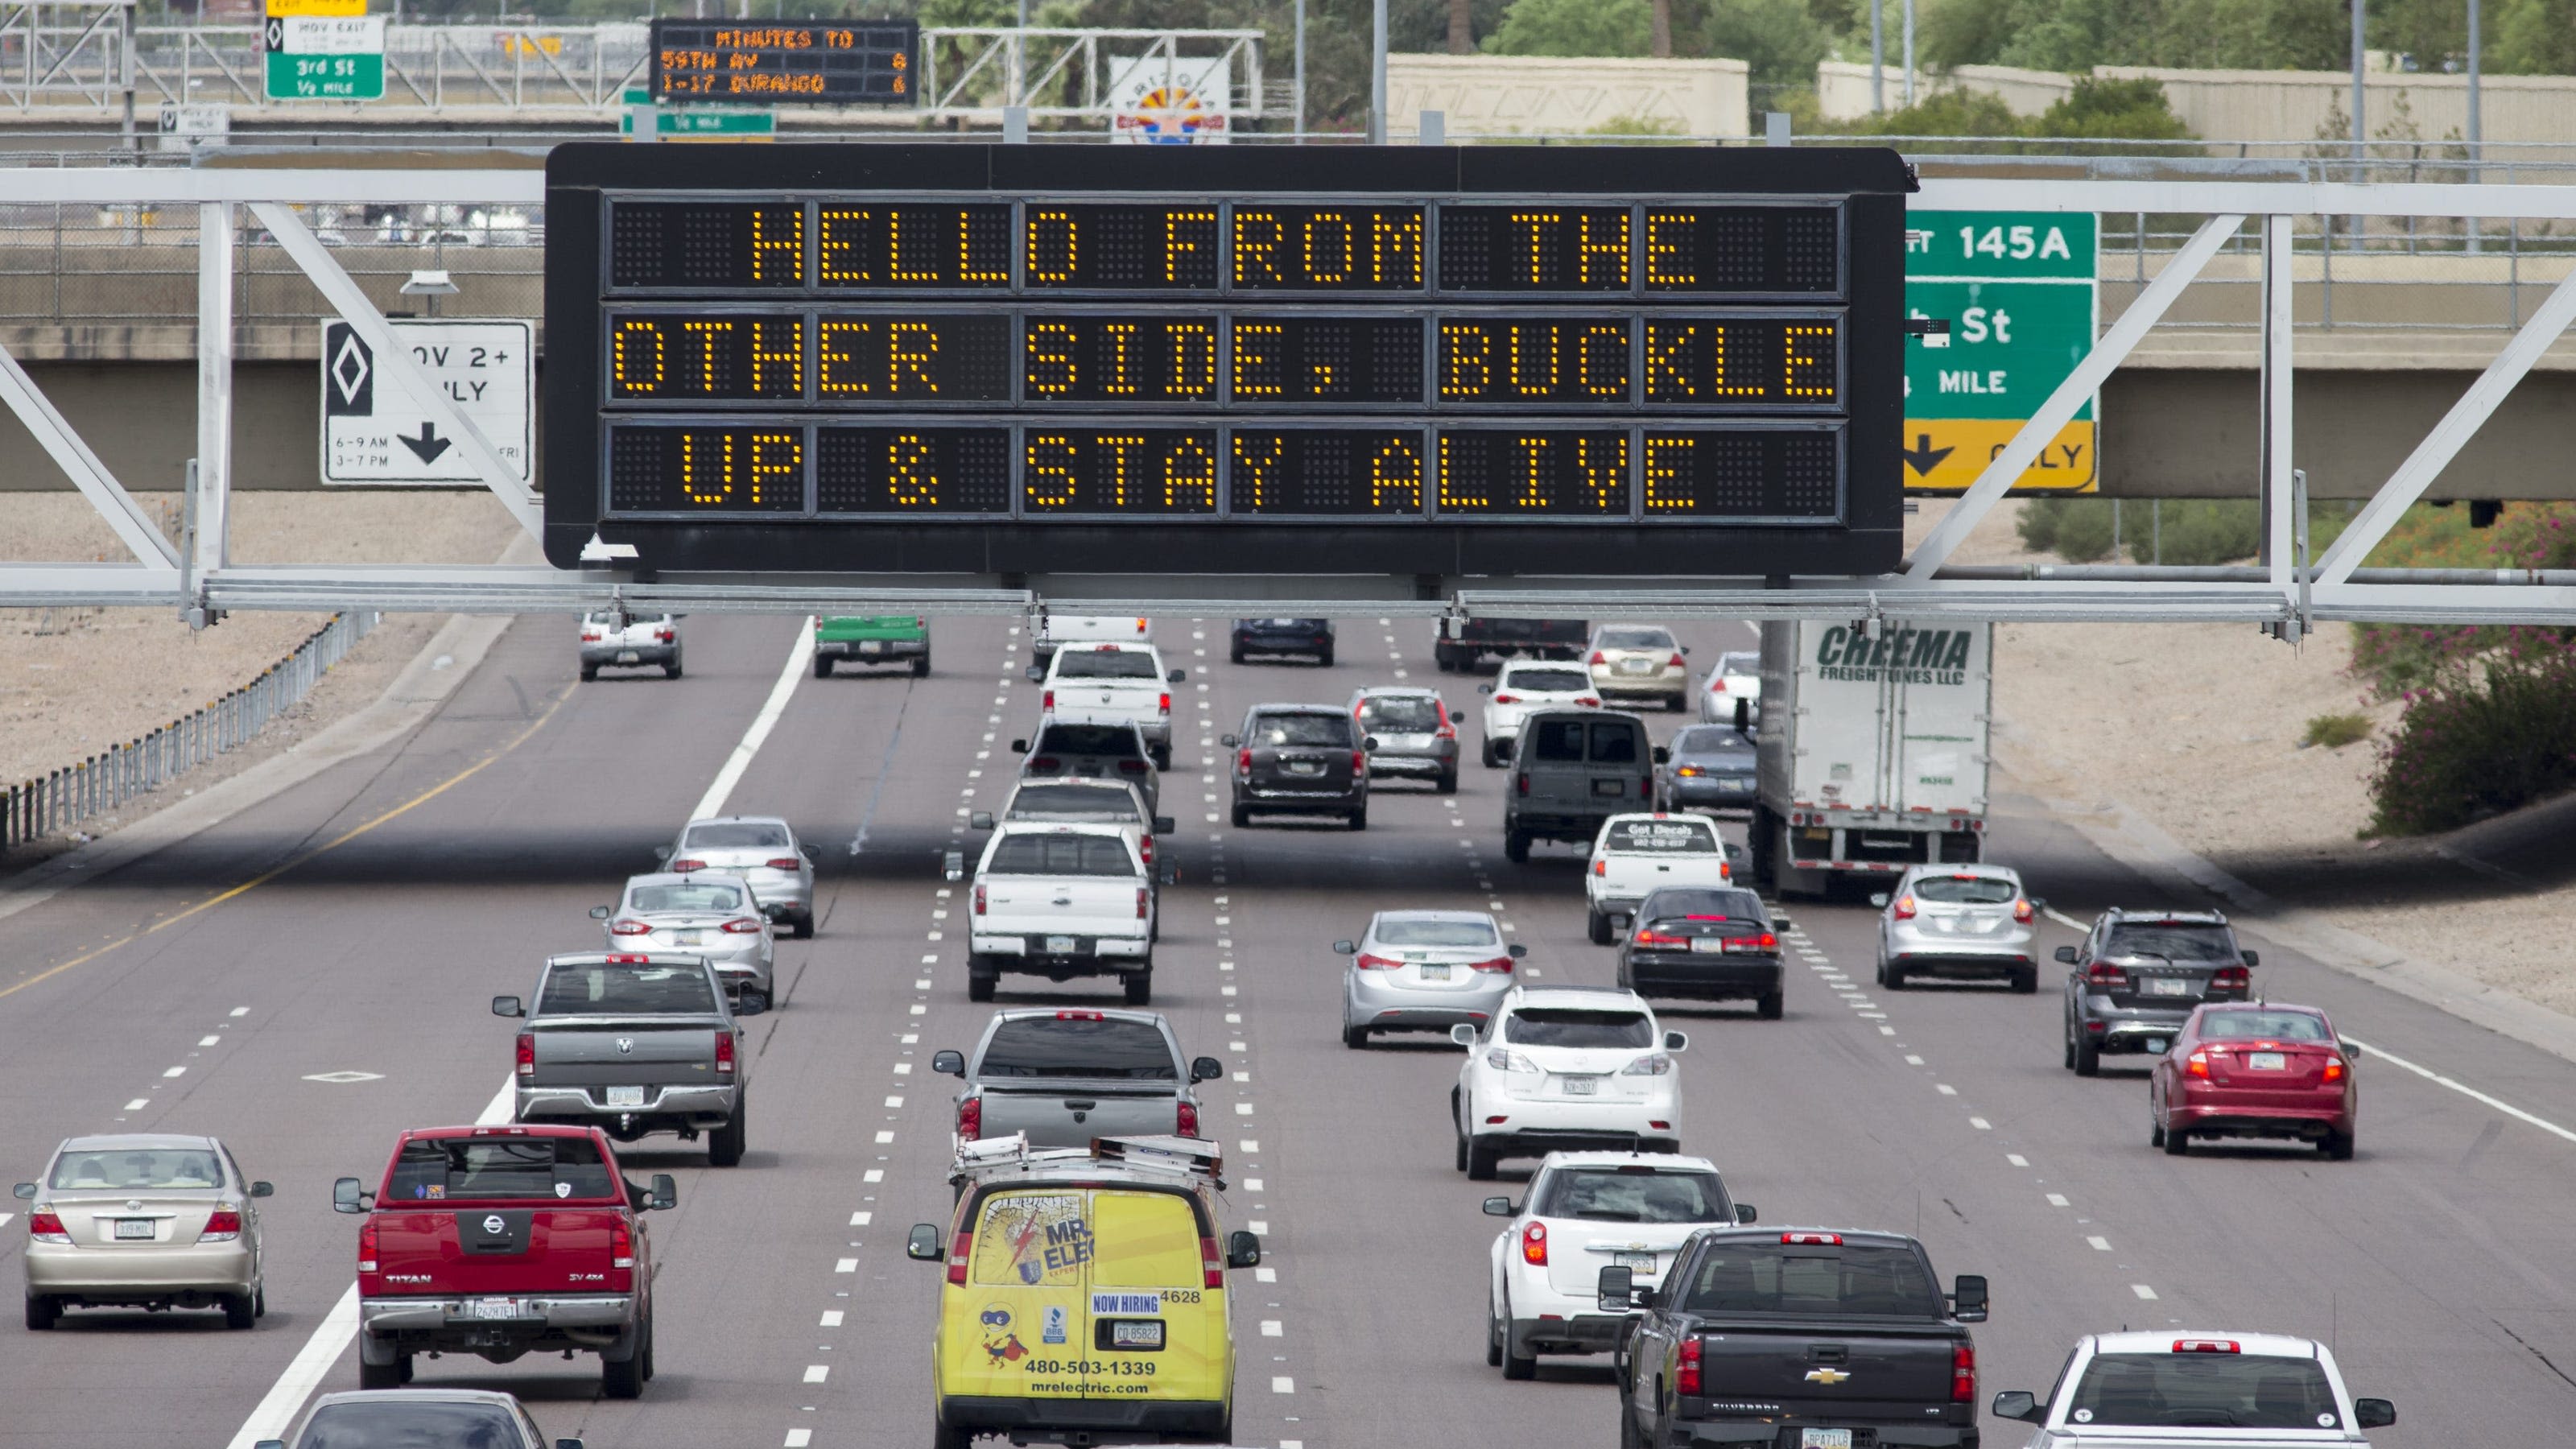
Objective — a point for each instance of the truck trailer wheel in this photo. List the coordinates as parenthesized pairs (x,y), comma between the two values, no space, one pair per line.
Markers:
(725,1144)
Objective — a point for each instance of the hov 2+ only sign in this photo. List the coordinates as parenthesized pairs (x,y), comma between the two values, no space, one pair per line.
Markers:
(2020,294)
(376,432)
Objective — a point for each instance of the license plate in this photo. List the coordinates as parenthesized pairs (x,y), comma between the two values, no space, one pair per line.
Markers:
(626,1096)
(2267,1061)
(1436,971)
(684,938)
(1581,1086)
(493,1308)
(134,1227)
(1609,787)
(1635,666)
(871,646)
(1824,1439)
(1063,945)
(1124,1334)
(2168,986)
(1305,767)
(627,656)
(1634,1262)
(1707,945)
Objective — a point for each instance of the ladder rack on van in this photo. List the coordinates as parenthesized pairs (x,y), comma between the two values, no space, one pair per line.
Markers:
(1178,1156)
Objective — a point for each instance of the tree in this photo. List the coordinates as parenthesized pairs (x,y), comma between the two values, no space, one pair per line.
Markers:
(1659,39)
(1462,38)
(1574,27)
(1779,40)
(2534,37)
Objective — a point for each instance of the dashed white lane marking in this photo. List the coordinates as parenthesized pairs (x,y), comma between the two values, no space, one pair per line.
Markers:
(2143,1291)
(816,1373)
(1271,1328)
(1981,1124)
(799,1438)
(873,1174)
(1243,1109)
(207,1041)
(832,1318)
(1913,1061)
(2100,1245)
(862,1218)
(894,1101)
(1252,1184)
(1282,1384)
(241,1011)
(884,1137)
(1945,1089)
(138,1104)
(6,1219)
(2057,1199)
(1249,1146)
(175,1072)
(904,1069)
(2016,1159)
(845,1265)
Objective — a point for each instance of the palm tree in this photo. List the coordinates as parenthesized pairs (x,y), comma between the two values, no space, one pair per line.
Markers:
(1661,43)
(1461,41)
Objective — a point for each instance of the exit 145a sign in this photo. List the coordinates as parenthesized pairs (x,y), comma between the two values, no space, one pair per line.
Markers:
(2019,292)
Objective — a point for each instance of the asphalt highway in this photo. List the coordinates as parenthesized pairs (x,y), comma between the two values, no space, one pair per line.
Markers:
(312,976)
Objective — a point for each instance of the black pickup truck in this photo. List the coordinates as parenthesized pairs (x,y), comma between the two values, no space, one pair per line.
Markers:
(1460,643)
(1797,1338)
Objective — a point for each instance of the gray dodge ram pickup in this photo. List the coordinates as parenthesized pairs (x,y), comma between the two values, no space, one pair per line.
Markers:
(1066,1077)
(632,1044)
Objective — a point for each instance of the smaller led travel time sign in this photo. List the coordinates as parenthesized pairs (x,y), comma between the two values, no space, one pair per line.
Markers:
(890,358)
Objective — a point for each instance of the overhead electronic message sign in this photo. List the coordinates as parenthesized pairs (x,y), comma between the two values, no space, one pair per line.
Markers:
(1414,361)
(820,62)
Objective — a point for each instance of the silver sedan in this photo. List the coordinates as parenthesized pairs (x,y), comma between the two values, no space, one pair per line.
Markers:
(703,913)
(1957,922)
(483,1418)
(1424,971)
(762,850)
(144,1220)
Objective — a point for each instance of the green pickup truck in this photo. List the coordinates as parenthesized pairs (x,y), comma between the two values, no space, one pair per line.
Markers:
(878,639)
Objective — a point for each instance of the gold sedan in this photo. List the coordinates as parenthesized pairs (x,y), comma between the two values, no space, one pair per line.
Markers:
(143,1220)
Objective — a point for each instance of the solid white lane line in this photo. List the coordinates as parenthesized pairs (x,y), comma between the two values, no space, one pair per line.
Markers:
(799,658)
(2465,1090)
(320,1353)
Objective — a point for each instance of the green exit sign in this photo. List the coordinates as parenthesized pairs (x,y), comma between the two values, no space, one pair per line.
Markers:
(294,77)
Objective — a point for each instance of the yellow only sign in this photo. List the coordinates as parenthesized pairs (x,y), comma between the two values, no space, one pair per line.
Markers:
(1948,454)
(317,7)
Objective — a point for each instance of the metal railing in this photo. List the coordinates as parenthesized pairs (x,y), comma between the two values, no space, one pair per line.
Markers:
(61,799)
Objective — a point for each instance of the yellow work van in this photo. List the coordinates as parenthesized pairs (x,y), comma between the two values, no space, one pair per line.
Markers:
(1085,1301)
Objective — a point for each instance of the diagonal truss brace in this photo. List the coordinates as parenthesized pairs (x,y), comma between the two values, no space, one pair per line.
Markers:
(395,361)
(87,473)
(2082,383)
(2451,434)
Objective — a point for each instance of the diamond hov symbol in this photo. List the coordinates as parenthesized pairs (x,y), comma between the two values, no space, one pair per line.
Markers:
(342,1079)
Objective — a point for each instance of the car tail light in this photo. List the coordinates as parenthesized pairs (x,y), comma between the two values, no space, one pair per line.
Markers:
(919,622)
(2205,1345)
(1448,727)
(1243,762)
(1499,966)
(621,1244)
(2231,978)
(1045,762)
(1600,867)
(958,1249)
(683,867)
(663,636)
(1359,761)
(223,1225)
(970,1119)
(1211,1262)
(1145,848)
(1521,782)
(742,926)
(1047,700)
(2104,974)
(2022,912)
(786,862)
(627,960)
(527,1054)
(1588,701)
(1377,963)
(590,636)
(48,1228)
(2197,1064)
(1507,699)
(1673,663)
(1686,1369)
(366,1246)
(1963,1374)
(1661,938)
(629,928)
(1534,1244)
(1716,685)
(1764,942)
(979,899)
(1131,767)
(1167,704)
(1185,1119)
(1814,1240)
(724,1053)
(1599,658)
(1653,1064)
(1903,910)
(2334,1069)
(1646,788)
(1140,903)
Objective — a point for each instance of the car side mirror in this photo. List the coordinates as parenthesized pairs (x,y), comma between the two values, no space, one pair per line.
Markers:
(23,1191)
(2066,954)
(1484,689)
(263,1189)
(1167,874)
(1242,1250)
(1878,899)
(348,1197)
(1499,1207)
(1369,743)
(948,1064)
(1206,1069)
(1968,1298)
(2373,1413)
(1617,1289)
(1019,747)
(1516,950)
(601,913)
(922,1243)
(664,852)
(981,820)
(2351,1049)
(1463,1034)
(1165,825)
(1780,919)
(1675,1041)
(508,1006)
(2252,958)
(1177,676)
(2017,1404)
(664,1196)
(1346,948)
(269,1444)
(1663,756)
(1746,1213)
(1229,741)
(1034,673)
(952,865)
(2036,903)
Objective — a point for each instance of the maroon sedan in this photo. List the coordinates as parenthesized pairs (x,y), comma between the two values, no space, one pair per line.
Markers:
(2243,1069)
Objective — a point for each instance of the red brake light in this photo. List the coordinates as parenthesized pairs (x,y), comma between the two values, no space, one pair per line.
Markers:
(1661,938)
(1145,848)
(1814,1240)
(1140,903)
(742,926)
(2103,973)
(1499,965)
(1599,658)
(958,1248)
(1078,1015)
(1448,728)
(47,1228)
(1243,761)
(970,1119)
(1359,761)
(1673,663)
(1716,684)
(2205,1345)
(1963,1374)
(1764,942)
(1185,1121)
(1047,700)
(527,1054)
(1903,910)
(979,899)
(2334,1069)
(1167,704)
(683,867)
(724,1053)
(1507,699)
(223,1225)
(2231,978)
(1211,1263)
(1377,963)
(628,960)
(1600,867)
(621,1244)
(786,862)
(590,636)
(1534,1244)
(629,928)
(1686,1369)
(1589,701)
(1131,767)
(1521,782)
(2022,912)
(2197,1064)
(1045,762)
(663,636)
(366,1245)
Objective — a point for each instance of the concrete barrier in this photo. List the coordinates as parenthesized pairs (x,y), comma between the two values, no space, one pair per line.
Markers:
(1530,95)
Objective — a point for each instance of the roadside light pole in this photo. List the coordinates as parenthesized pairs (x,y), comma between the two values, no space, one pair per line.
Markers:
(1377,73)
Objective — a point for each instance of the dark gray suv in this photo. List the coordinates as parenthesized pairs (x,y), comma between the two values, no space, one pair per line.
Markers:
(1300,759)
(2138,975)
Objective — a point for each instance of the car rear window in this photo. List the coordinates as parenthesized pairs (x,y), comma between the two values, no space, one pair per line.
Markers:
(1085,739)
(476,1168)
(1636,639)
(1435,933)
(1724,905)
(411,1424)
(1060,855)
(127,1168)
(1300,729)
(737,835)
(1073,1044)
(1105,664)
(1574,741)
(1402,714)
(1545,681)
(1739,662)
(2175,943)
(1966,890)
(1306,625)
(1802,1280)
(1073,802)
(606,988)
(1712,740)
(690,896)
(1663,837)
(2204,1390)
(1634,1195)
(2262,1026)
(1576,1026)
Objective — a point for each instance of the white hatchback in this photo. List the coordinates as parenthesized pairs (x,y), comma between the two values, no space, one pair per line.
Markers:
(1735,678)
(1635,856)
(1523,688)
(1565,1069)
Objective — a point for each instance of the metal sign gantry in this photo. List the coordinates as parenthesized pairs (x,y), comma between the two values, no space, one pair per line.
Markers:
(200,578)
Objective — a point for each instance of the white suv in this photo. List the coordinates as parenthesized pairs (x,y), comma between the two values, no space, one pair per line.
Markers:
(1524,687)
(1565,1069)
(1587,1211)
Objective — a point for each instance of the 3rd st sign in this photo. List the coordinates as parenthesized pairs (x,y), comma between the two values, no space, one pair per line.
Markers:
(2019,293)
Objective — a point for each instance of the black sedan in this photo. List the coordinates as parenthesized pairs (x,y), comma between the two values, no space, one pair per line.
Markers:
(1704,944)
(1710,768)
(1309,638)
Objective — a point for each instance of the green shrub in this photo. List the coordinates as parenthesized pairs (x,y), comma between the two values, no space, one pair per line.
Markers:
(1573,27)
(2077,530)
(2463,751)
(2196,532)
(2334,731)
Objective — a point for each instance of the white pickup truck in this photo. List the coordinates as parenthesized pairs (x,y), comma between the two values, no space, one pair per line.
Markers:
(2182,1389)
(1096,682)
(1638,855)
(1061,901)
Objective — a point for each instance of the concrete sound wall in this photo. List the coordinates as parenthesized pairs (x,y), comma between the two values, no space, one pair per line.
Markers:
(1486,95)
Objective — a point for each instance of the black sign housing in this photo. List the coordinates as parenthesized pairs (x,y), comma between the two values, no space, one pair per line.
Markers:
(786,62)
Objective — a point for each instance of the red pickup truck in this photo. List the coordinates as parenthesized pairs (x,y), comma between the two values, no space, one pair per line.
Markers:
(499,1241)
